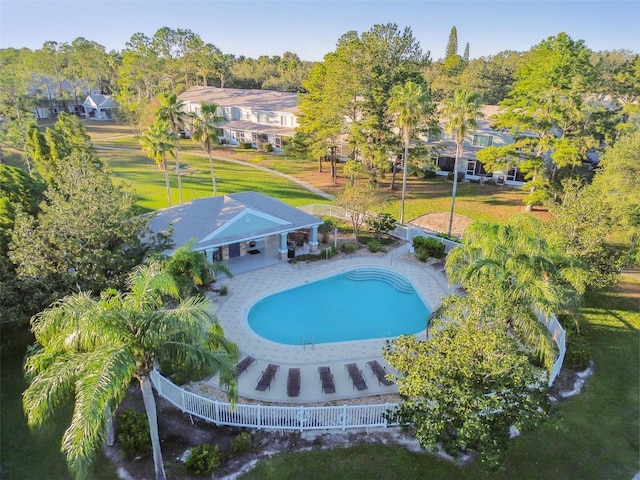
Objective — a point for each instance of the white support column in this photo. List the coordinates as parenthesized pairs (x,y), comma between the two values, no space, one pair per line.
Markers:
(283,246)
(313,243)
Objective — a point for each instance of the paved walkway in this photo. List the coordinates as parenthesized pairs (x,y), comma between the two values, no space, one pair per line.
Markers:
(247,288)
(303,184)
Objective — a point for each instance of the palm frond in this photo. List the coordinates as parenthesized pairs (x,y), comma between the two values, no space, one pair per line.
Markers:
(106,375)
(52,385)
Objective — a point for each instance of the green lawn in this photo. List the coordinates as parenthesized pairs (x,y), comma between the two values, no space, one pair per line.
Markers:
(597,437)
(148,181)
(27,455)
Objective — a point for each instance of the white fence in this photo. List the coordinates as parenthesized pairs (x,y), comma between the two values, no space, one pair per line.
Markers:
(274,417)
(559,337)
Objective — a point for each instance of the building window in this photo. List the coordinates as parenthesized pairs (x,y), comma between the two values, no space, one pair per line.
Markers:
(482,140)
(446,164)
(238,135)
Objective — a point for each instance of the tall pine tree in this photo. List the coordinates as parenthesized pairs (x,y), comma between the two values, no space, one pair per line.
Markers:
(452,46)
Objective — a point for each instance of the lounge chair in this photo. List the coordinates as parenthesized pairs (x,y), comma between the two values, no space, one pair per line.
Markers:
(355,374)
(245,363)
(379,372)
(326,379)
(293,382)
(266,377)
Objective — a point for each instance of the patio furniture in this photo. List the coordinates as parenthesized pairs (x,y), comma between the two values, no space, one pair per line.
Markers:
(355,374)
(266,377)
(245,363)
(326,379)
(293,382)
(379,372)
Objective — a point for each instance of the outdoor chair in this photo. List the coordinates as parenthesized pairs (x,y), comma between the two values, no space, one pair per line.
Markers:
(293,382)
(379,372)
(326,379)
(245,363)
(355,374)
(266,377)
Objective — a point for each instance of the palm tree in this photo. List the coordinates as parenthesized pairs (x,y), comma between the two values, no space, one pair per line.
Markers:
(90,350)
(461,113)
(191,270)
(172,110)
(206,131)
(157,142)
(512,267)
(410,103)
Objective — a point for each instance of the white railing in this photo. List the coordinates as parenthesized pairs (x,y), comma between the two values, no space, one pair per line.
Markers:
(559,337)
(270,417)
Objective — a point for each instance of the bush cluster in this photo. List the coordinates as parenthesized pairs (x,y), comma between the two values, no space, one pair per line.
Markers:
(203,459)
(426,247)
(348,247)
(134,437)
(245,145)
(241,444)
(374,245)
(579,352)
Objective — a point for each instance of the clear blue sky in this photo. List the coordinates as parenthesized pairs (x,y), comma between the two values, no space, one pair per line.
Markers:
(310,28)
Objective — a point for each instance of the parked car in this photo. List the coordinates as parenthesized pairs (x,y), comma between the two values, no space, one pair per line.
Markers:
(184,133)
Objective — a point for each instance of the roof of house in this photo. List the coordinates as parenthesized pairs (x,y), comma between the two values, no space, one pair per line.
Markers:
(100,101)
(233,218)
(258,127)
(266,100)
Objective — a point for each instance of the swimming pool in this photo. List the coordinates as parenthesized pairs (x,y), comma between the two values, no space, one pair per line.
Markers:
(361,304)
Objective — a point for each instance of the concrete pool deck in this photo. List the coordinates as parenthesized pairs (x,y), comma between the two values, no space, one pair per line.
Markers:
(247,288)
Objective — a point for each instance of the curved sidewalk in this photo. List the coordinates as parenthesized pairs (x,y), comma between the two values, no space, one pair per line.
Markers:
(303,184)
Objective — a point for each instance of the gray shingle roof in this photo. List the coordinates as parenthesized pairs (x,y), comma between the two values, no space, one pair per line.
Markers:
(227,219)
(266,100)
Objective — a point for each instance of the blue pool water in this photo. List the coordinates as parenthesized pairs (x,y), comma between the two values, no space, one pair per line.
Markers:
(377,304)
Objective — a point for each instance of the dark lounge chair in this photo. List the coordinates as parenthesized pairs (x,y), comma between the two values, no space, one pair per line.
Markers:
(245,363)
(266,377)
(379,372)
(293,382)
(326,379)
(356,376)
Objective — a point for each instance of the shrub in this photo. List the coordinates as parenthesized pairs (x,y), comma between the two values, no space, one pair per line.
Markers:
(329,224)
(134,437)
(242,443)
(453,238)
(460,176)
(382,223)
(203,459)
(224,290)
(348,247)
(426,174)
(245,145)
(179,378)
(267,147)
(374,246)
(578,353)
(421,254)
(426,247)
